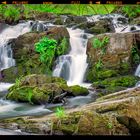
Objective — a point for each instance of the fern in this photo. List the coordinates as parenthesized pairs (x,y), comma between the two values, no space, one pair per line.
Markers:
(46,47)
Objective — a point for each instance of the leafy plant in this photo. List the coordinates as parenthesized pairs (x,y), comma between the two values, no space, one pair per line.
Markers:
(131,11)
(62,47)
(18,80)
(97,43)
(30,94)
(46,47)
(60,112)
(109,125)
(135,55)
(99,65)
(11,12)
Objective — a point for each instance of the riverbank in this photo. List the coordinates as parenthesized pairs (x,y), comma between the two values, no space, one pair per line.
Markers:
(114,114)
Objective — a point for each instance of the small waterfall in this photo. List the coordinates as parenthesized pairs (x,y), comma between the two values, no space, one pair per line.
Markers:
(72,66)
(137,73)
(6,33)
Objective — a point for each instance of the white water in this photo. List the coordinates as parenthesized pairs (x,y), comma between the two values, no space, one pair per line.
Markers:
(72,66)
(10,32)
(119,22)
(4,86)
(137,73)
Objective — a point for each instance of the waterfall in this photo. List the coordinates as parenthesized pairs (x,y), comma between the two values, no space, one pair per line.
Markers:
(137,73)
(72,66)
(6,33)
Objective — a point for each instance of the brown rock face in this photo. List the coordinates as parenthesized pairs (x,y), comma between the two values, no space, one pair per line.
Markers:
(118,50)
(113,59)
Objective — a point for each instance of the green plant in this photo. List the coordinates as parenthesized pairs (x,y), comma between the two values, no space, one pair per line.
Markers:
(46,47)
(18,80)
(98,65)
(131,11)
(135,55)
(11,12)
(30,94)
(109,125)
(62,47)
(97,43)
(60,112)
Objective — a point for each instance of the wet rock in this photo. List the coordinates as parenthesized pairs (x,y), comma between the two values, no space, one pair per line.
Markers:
(42,89)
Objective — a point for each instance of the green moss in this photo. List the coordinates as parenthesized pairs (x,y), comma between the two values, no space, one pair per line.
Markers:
(124,81)
(28,94)
(98,30)
(115,84)
(125,68)
(77,90)
(95,75)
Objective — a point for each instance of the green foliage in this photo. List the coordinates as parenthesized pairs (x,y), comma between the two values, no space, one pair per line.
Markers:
(98,65)
(60,112)
(97,43)
(11,12)
(131,11)
(30,94)
(18,80)
(123,81)
(46,47)
(109,125)
(75,9)
(62,47)
(135,55)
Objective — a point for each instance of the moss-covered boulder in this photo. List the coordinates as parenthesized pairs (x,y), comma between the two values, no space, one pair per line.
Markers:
(40,89)
(78,90)
(36,89)
(95,75)
(115,84)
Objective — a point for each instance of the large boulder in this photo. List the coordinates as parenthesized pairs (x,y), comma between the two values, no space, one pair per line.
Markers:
(27,59)
(41,89)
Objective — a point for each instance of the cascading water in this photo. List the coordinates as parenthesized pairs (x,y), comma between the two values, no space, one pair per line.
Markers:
(119,22)
(137,73)
(10,32)
(72,66)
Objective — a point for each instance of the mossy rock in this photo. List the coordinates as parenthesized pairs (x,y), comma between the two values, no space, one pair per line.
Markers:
(40,89)
(95,75)
(125,68)
(36,89)
(115,84)
(78,90)
(124,81)
(29,94)
(39,79)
